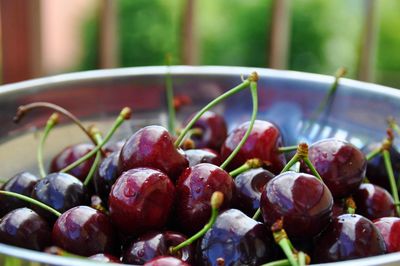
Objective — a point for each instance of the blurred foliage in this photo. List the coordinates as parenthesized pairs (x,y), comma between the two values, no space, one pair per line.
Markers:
(324,34)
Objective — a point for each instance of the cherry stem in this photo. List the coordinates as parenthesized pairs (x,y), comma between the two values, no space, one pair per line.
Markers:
(32,201)
(240,87)
(257,214)
(389,170)
(51,122)
(284,262)
(393,125)
(287,149)
(97,136)
(170,96)
(249,164)
(302,258)
(254,96)
(350,205)
(373,154)
(23,109)
(283,241)
(217,198)
(124,115)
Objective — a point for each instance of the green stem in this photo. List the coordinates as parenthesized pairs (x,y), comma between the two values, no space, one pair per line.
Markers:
(292,161)
(257,214)
(389,169)
(32,201)
(98,138)
(53,120)
(254,96)
(170,97)
(287,149)
(284,262)
(124,115)
(312,168)
(285,245)
(302,258)
(214,102)
(373,154)
(249,164)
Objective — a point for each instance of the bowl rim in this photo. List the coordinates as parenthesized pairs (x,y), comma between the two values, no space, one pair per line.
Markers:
(100,74)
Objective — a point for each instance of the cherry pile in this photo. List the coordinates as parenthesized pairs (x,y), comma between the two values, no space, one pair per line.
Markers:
(205,196)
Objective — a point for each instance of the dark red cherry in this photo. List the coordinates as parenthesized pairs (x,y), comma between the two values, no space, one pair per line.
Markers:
(341,165)
(213,131)
(26,229)
(389,227)
(155,244)
(70,155)
(194,189)
(373,202)
(21,183)
(166,261)
(85,231)
(196,156)
(349,236)
(60,191)
(263,144)
(104,258)
(301,200)
(249,186)
(152,146)
(141,200)
(237,239)
(106,175)
(376,170)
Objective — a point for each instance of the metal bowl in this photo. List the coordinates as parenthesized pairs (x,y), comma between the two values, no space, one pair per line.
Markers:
(358,114)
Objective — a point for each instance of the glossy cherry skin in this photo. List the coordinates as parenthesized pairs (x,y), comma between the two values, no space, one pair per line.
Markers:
(84,231)
(376,170)
(70,155)
(349,236)
(26,229)
(152,146)
(389,227)
(60,191)
(213,131)
(105,258)
(106,175)
(21,183)
(341,165)
(194,189)
(249,186)
(196,156)
(141,200)
(263,143)
(301,200)
(166,261)
(155,244)
(373,202)
(237,239)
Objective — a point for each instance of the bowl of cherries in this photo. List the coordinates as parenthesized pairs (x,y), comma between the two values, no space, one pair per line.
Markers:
(204,165)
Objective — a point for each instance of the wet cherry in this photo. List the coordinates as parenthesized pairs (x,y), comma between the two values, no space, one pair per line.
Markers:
(196,156)
(106,175)
(389,227)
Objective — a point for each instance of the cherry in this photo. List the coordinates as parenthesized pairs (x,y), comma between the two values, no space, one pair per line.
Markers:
(60,191)
(25,228)
(84,231)
(349,236)
(166,261)
(373,202)
(152,146)
(389,228)
(140,200)
(341,165)
(196,156)
(111,147)
(21,183)
(104,258)
(154,244)
(69,155)
(106,176)
(263,143)
(301,200)
(212,130)
(249,186)
(194,189)
(237,240)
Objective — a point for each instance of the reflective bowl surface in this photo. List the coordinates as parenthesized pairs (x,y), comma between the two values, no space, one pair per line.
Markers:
(357,114)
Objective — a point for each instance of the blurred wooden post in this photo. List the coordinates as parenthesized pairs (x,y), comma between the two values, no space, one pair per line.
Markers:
(368,42)
(108,34)
(190,49)
(20,39)
(279,34)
